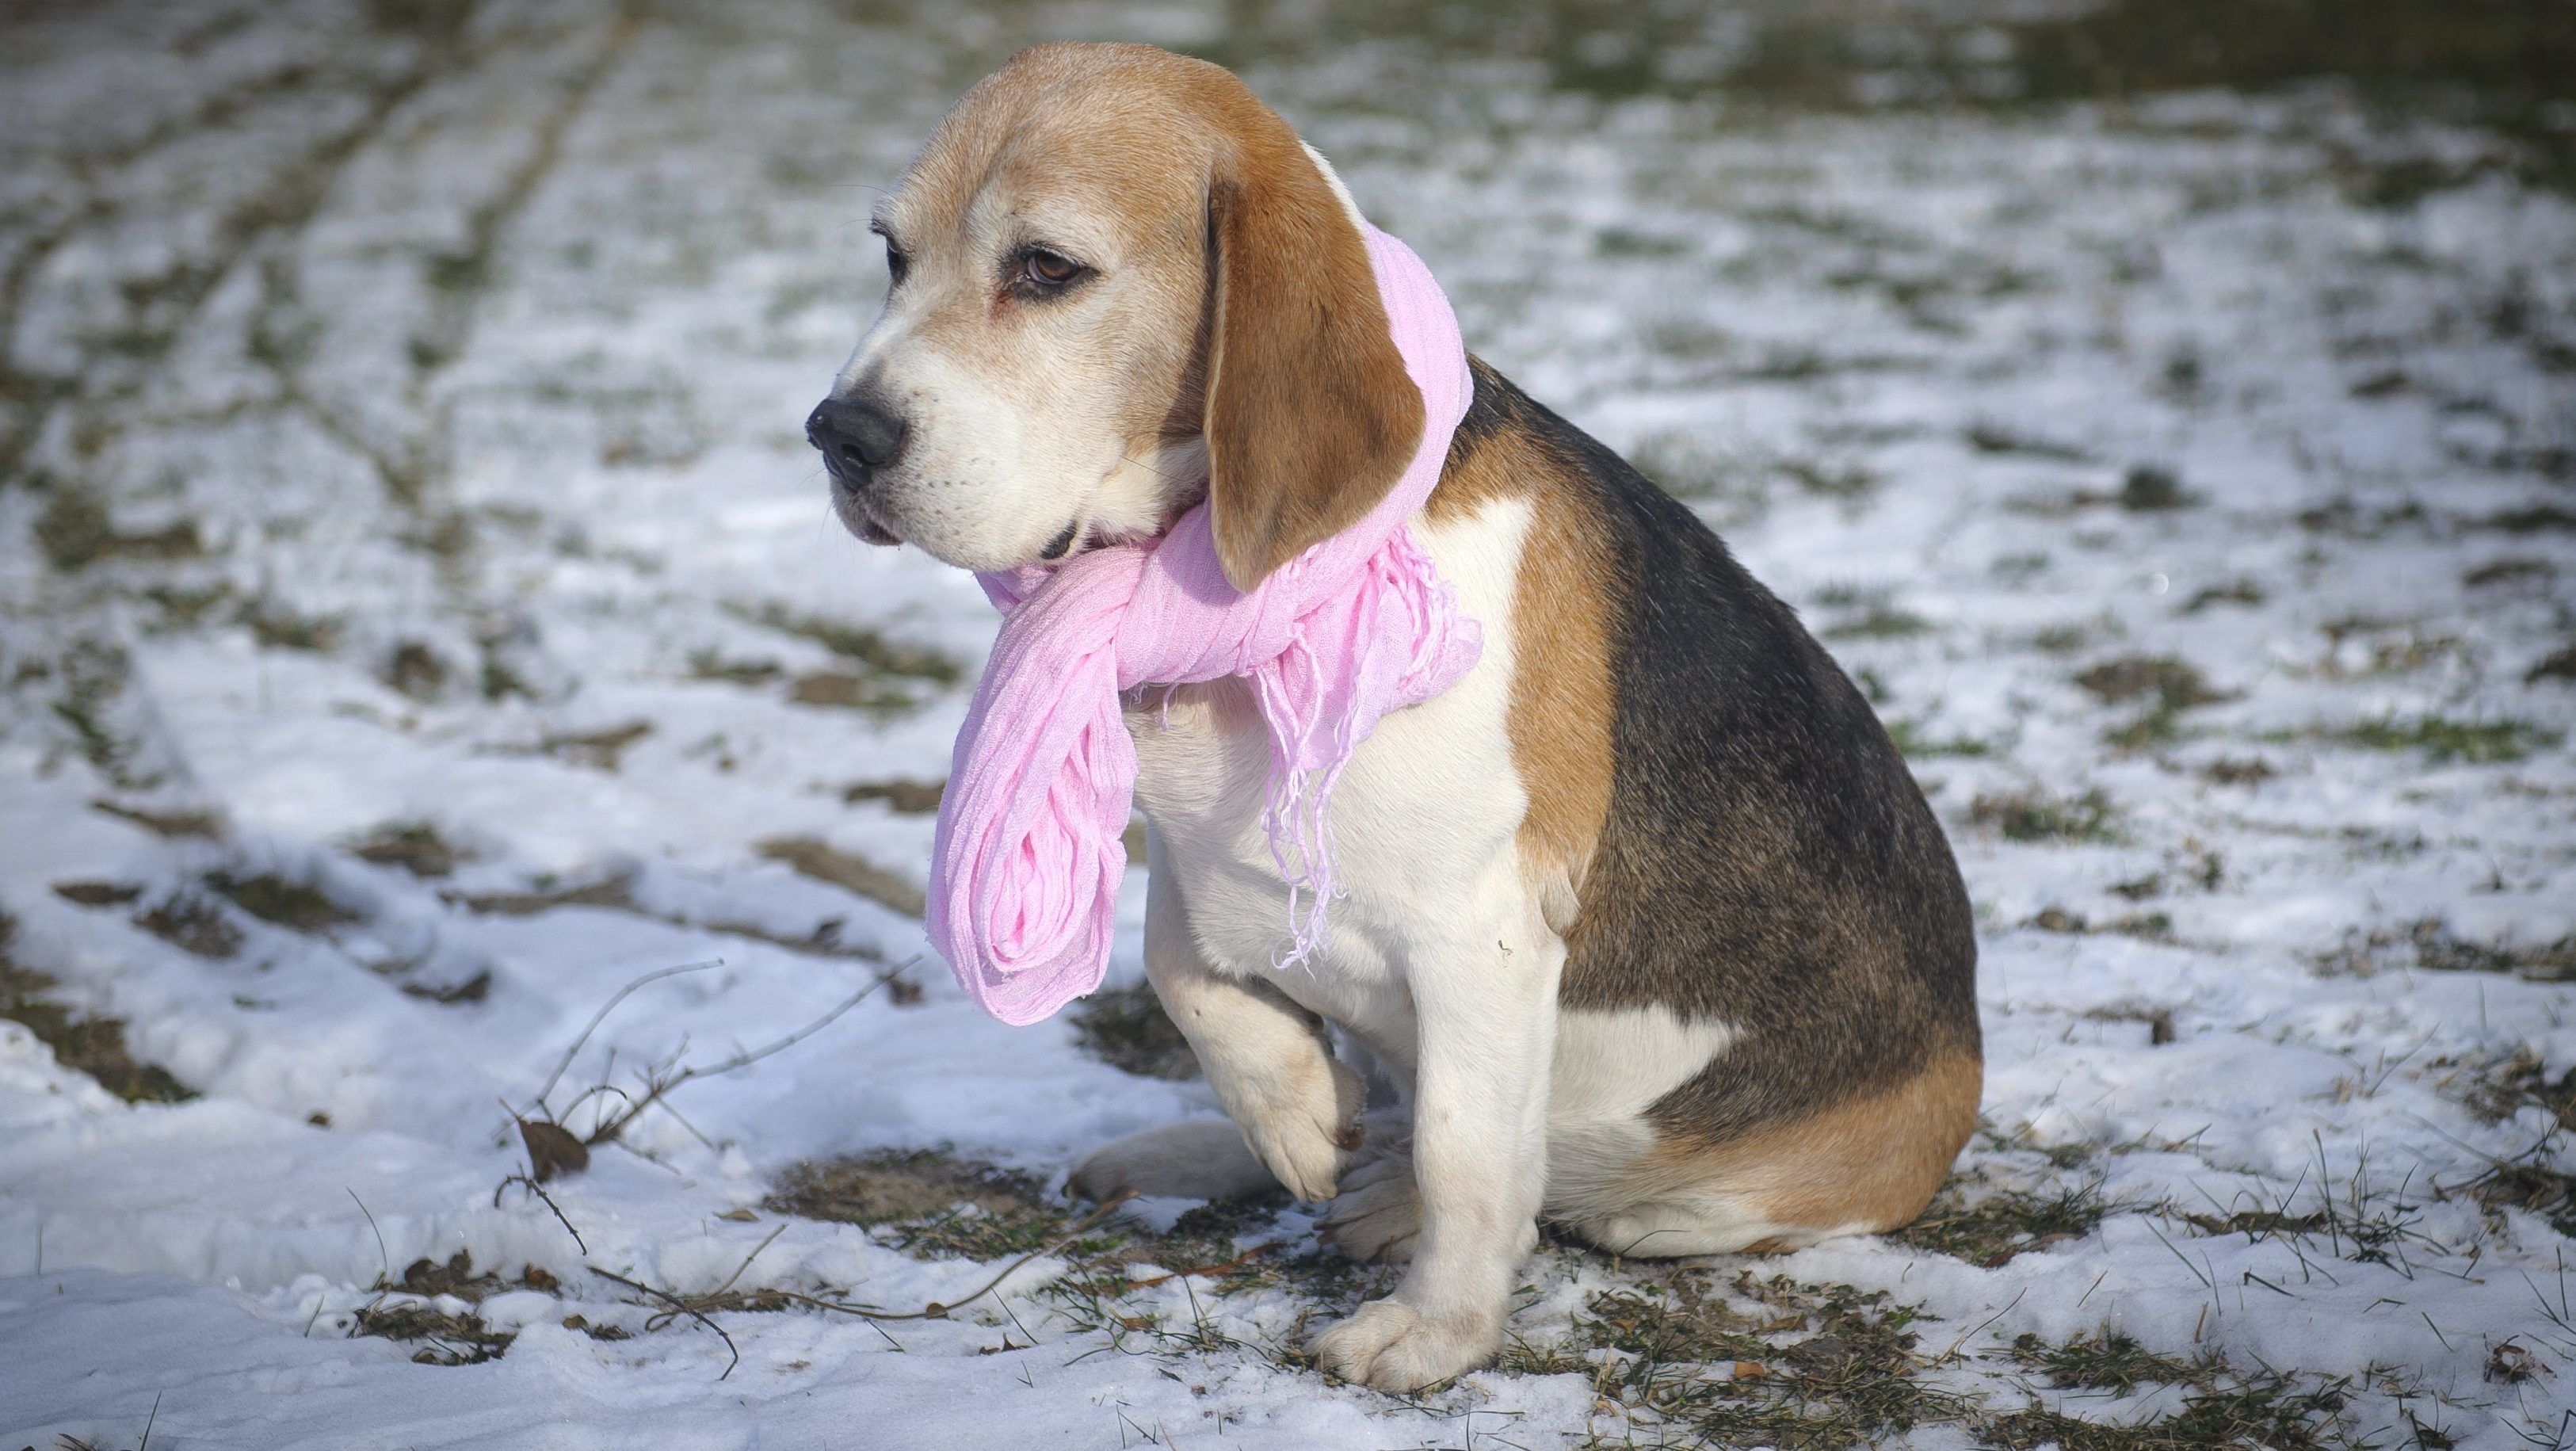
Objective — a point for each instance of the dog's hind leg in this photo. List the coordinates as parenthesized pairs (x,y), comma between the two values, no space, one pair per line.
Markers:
(1200,1158)
(1863,1166)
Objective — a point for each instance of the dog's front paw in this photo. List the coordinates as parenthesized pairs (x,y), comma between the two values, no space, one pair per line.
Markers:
(1378,1214)
(1390,1346)
(1305,1135)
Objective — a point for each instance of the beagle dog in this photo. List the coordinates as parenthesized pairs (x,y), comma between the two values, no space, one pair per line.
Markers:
(1649,934)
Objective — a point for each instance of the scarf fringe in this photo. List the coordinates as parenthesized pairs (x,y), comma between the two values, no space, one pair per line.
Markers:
(1030,846)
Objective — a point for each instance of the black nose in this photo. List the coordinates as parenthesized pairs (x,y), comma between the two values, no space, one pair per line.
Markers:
(856,434)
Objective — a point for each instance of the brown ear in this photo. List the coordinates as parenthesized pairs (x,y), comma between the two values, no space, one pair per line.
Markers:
(1310,415)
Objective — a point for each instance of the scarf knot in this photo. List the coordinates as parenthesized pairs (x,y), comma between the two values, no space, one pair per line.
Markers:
(1029,853)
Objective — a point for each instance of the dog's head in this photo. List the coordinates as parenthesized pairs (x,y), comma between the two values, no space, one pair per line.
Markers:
(1117,283)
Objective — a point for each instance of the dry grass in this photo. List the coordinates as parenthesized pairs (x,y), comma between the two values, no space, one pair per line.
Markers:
(2167,684)
(408,1310)
(1995,1228)
(2221,1406)
(936,1204)
(2440,738)
(1757,1363)
(2034,814)
(2430,944)
(2498,1088)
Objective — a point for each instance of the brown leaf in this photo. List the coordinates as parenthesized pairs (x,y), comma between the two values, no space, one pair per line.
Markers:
(552,1150)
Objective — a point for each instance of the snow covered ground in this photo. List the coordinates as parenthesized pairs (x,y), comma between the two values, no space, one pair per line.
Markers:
(423,620)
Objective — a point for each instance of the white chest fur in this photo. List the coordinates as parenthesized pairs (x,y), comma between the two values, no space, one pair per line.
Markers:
(1422,821)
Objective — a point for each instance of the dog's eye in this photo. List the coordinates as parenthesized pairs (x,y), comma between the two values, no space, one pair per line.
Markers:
(1046,271)
(897,264)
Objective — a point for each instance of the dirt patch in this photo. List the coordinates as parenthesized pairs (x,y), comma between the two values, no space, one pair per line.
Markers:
(910,798)
(95,1046)
(2510,573)
(2235,592)
(75,532)
(414,846)
(414,670)
(827,863)
(2150,926)
(163,823)
(935,1204)
(2238,771)
(848,690)
(194,923)
(282,901)
(2148,489)
(456,994)
(1127,1029)
(2174,683)
(898,1184)
(876,675)
(613,893)
(931,1202)
(599,750)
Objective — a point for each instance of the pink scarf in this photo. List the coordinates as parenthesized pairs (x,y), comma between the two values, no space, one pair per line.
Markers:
(1025,871)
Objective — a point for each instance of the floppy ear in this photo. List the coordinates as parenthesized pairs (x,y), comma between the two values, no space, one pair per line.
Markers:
(1310,415)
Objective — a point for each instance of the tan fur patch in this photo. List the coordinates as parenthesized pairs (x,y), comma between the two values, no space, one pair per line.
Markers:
(1869,1164)
(1562,699)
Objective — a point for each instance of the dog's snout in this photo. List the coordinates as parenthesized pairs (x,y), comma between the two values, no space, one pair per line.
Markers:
(856,433)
